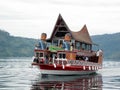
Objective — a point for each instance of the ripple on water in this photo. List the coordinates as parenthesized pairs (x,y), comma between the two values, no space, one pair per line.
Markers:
(17,74)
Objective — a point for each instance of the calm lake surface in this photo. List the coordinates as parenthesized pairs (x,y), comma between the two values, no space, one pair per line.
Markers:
(17,74)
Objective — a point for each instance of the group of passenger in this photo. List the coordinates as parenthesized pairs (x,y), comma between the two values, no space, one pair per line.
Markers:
(66,45)
(42,45)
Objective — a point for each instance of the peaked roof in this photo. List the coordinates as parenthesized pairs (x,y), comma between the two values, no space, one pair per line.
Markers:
(82,35)
(60,21)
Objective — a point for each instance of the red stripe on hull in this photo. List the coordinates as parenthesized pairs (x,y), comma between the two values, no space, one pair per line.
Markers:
(66,68)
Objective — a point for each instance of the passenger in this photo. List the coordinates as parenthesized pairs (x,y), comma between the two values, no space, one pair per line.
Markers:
(36,59)
(99,52)
(42,42)
(66,43)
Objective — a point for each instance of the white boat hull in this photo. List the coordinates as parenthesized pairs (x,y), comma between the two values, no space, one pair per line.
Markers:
(62,72)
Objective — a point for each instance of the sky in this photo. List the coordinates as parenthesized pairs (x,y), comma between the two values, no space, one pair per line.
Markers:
(30,18)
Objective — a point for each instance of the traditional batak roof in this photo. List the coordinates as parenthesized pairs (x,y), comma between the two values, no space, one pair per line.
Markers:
(82,35)
(61,28)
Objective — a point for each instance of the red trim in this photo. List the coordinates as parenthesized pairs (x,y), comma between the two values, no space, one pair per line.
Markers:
(39,50)
(66,51)
(66,68)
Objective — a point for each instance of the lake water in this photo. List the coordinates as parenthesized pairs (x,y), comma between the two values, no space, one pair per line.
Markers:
(17,74)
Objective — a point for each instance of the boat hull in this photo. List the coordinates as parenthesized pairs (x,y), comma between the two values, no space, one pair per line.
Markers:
(66,70)
(63,72)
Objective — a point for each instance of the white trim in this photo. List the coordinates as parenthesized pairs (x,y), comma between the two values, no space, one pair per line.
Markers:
(64,72)
(83,67)
(54,65)
(63,66)
(89,68)
(93,68)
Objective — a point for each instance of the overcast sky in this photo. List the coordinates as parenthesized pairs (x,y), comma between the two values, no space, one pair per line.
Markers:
(29,18)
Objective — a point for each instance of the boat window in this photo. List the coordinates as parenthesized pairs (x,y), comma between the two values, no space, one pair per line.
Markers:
(55,42)
(88,47)
(54,55)
(60,55)
(41,54)
(64,56)
(73,41)
(48,44)
(37,54)
(78,45)
(60,43)
(83,46)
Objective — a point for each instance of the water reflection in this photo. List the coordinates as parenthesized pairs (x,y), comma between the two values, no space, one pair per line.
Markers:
(88,82)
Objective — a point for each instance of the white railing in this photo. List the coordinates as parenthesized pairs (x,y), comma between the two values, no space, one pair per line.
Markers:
(66,62)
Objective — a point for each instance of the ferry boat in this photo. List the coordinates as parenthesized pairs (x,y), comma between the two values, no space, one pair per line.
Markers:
(67,52)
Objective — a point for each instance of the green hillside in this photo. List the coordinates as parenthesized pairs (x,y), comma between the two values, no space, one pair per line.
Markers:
(110,43)
(11,46)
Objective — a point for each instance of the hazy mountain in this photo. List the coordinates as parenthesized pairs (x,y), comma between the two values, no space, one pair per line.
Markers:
(11,46)
(110,43)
